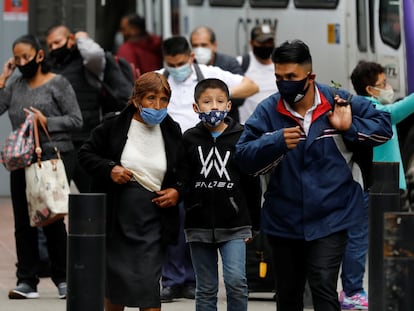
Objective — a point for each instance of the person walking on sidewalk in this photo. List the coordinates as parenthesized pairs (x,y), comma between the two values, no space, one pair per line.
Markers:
(53,100)
(369,80)
(222,204)
(314,194)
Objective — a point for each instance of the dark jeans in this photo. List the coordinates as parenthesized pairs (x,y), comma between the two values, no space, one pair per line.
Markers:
(318,261)
(27,237)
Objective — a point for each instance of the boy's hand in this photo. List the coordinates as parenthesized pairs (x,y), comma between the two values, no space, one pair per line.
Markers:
(167,198)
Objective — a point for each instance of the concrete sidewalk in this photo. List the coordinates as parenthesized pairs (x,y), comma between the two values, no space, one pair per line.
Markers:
(49,301)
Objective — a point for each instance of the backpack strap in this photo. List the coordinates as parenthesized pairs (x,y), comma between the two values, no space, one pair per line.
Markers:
(199,74)
(245,62)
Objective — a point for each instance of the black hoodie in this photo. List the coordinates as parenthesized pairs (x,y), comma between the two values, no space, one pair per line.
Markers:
(221,202)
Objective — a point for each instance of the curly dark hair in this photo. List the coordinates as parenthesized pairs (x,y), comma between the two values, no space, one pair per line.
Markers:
(365,74)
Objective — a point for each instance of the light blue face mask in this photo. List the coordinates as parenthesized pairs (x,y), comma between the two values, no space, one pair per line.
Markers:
(181,73)
(153,116)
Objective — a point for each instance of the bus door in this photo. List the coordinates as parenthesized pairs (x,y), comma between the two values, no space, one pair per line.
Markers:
(159,16)
(360,35)
(389,45)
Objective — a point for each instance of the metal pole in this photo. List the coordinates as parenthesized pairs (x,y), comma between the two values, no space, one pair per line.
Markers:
(384,197)
(86,252)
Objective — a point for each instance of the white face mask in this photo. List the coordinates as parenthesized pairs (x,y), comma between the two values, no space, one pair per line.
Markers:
(202,55)
(386,95)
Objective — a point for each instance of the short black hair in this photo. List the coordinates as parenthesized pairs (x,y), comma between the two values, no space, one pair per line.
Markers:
(176,45)
(365,74)
(56,26)
(136,21)
(295,51)
(211,83)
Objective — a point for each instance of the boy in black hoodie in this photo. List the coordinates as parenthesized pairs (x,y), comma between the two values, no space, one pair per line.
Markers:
(222,204)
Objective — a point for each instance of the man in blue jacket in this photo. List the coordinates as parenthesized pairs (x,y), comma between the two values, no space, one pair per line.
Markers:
(302,136)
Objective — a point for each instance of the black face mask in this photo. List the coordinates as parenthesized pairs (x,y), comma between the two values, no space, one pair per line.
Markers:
(263,52)
(29,70)
(292,91)
(61,53)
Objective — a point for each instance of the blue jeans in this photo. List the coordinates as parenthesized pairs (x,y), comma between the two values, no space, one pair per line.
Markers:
(205,262)
(353,264)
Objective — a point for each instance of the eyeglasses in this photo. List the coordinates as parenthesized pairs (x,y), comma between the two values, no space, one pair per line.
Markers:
(382,84)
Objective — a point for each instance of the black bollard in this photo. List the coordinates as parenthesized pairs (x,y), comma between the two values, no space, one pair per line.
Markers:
(398,261)
(384,197)
(86,252)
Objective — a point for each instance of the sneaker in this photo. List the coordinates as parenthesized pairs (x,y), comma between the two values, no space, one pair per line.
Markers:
(169,293)
(62,290)
(23,291)
(359,301)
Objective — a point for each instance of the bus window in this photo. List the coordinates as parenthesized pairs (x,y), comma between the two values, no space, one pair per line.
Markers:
(389,19)
(362,33)
(195,2)
(269,3)
(316,4)
(231,3)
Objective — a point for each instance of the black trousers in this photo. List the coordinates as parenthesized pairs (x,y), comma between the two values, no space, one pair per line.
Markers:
(26,236)
(318,261)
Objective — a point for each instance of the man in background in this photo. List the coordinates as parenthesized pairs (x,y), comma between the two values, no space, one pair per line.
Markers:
(258,66)
(204,44)
(140,48)
(81,60)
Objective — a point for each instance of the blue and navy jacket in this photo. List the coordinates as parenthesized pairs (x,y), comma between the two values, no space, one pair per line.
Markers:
(316,188)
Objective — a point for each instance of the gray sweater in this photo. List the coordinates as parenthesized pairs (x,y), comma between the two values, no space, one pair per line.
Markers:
(55,99)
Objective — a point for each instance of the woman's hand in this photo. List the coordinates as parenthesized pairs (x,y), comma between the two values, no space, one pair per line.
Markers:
(167,198)
(8,69)
(39,116)
(120,175)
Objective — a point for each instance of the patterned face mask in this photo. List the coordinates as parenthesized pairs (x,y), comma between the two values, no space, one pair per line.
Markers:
(212,118)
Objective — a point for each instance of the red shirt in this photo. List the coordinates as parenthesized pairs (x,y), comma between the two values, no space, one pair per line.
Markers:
(145,54)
